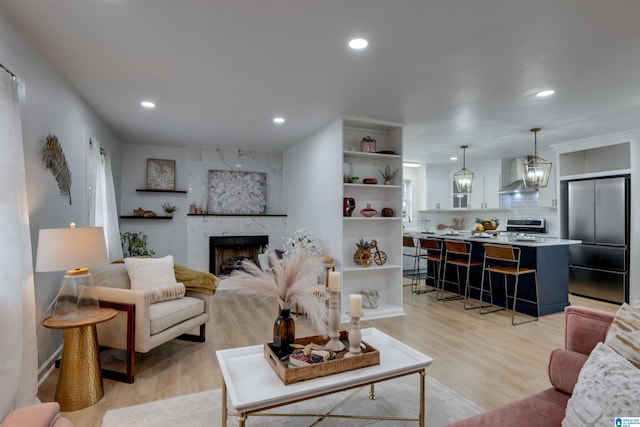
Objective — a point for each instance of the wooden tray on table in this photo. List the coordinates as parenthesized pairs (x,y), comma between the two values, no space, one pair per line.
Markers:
(290,375)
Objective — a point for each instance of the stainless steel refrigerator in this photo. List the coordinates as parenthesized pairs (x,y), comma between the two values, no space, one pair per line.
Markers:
(597,212)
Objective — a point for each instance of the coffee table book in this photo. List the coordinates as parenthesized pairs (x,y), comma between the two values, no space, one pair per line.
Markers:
(290,375)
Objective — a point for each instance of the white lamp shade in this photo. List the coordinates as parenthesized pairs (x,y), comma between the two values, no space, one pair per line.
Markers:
(70,248)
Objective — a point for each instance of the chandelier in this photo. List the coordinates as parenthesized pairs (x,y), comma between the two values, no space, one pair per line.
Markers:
(464,177)
(536,170)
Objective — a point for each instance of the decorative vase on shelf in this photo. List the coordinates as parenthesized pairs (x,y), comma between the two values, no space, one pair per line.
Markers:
(348,206)
(368,145)
(368,211)
(284,333)
(387,183)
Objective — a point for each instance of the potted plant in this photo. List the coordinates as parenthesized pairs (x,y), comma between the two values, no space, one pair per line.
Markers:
(388,174)
(135,244)
(169,209)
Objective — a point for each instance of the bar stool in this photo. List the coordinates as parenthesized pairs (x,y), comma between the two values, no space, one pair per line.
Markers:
(409,249)
(431,251)
(505,260)
(458,254)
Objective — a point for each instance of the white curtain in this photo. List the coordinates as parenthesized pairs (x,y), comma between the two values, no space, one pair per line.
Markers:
(18,352)
(102,198)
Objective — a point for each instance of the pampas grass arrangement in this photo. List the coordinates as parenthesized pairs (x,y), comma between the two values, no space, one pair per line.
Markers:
(288,281)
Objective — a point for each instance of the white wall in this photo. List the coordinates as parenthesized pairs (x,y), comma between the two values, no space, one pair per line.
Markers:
(187,237)
(313,175)
(50,106)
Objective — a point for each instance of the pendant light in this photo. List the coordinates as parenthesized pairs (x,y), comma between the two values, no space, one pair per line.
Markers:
(464,177)
(536,170)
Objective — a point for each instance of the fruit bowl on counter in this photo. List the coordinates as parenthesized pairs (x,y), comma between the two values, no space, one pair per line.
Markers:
(484,224)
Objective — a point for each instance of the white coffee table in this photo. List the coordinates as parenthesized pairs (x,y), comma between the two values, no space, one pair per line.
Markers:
(253,386)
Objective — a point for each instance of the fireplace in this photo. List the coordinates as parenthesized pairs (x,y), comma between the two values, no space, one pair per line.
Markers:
(226,253)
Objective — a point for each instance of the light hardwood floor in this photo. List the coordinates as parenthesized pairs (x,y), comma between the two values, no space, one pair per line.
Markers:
(483,358)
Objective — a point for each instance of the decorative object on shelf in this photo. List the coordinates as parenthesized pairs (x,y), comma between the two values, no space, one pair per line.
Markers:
(368,145)
(135,244)
(464,177)
(536,170)
(161,174)
(74,250)
(370,298)
(363,253)
(169,209)
(143,213)
(388,174)
(368,211)
(54,160)
(235,192)
(487,224)
(301,241)
(288,281)
(348,206)
(347,172)
(284,333)
(379,256)
(387,212)
(355,335)
(354,180)
(334,343)
(369,181)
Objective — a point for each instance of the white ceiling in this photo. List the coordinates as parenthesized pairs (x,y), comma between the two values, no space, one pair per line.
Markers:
(453,71)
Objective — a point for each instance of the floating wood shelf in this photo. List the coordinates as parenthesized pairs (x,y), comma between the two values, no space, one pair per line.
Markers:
(145,217)
(144,190)
(218,214)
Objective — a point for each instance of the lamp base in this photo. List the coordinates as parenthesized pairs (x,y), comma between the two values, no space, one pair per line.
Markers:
(77,298)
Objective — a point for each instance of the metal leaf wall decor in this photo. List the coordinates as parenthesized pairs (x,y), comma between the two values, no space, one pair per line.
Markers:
(54,160)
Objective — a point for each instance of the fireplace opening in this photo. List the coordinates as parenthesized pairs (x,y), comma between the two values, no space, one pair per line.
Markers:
(226,253)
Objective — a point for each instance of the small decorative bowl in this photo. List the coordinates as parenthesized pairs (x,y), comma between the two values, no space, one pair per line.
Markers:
(370,181)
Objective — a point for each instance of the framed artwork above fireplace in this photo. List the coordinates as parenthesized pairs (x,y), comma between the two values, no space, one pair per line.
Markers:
(235,192)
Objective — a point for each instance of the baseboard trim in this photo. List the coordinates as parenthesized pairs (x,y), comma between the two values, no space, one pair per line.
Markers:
(45,369)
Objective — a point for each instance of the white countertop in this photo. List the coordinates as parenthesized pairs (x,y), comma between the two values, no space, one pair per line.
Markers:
(527,240)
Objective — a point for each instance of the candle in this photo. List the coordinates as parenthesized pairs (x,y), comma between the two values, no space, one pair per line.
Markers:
(355,305)
(334,281)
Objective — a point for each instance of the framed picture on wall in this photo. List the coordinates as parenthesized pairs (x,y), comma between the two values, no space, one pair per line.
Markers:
(161,174)
(234,192)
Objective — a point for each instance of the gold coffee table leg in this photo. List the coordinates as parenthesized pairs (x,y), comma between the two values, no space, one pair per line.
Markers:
(80,380)
(422,396)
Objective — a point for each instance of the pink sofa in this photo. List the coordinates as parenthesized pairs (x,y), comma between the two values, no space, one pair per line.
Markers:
(584,328)
(41,415)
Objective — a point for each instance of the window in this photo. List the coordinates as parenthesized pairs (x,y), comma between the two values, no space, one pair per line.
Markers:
(406,200)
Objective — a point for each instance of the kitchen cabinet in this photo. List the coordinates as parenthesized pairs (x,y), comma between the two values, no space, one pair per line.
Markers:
(548,196)
(438,194)
(485,192)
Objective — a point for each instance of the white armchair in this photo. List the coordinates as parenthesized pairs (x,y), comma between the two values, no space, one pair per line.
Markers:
(141,325)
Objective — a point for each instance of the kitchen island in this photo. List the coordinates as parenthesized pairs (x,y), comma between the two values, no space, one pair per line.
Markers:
(549,256)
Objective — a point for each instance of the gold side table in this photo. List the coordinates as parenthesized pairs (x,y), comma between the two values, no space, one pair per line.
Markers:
(80,380)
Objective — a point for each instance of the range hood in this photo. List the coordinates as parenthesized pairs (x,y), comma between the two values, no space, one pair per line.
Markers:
(514,176)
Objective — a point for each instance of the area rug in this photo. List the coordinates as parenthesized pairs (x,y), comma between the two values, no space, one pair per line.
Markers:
(395,398)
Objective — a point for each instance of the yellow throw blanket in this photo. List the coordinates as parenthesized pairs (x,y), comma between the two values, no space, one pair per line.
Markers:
(193,280)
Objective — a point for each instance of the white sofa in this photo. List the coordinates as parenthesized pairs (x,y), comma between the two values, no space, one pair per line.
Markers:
(141,326)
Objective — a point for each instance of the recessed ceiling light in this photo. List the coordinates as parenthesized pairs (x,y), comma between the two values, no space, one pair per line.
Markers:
(411,164)
(453,158)
(358,44)
(278,120)
(148,104)
(544,93)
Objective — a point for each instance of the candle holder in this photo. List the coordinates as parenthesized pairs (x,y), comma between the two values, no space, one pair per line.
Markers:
(355,336)
(334,343)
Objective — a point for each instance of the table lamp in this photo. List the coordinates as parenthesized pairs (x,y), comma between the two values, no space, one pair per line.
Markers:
(74,250)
